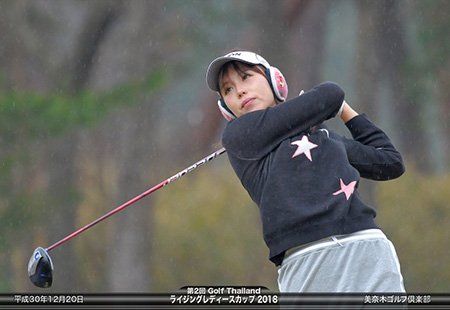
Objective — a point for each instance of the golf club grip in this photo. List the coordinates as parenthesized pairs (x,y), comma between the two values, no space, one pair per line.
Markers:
(147,192)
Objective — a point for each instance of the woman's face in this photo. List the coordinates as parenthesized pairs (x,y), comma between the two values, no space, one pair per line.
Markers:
(245,89)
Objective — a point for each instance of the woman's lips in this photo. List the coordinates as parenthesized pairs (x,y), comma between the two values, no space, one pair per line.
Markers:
(247,102)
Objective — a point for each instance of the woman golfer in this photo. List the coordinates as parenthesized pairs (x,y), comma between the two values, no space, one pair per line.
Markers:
(304,177)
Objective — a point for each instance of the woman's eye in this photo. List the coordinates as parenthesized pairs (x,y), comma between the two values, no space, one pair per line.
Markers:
(245,76)
(227,90)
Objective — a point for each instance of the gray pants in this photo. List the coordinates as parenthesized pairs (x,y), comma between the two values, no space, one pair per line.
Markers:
(362,262)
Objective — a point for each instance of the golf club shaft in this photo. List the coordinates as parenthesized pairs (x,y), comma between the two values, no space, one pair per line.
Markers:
(149,191)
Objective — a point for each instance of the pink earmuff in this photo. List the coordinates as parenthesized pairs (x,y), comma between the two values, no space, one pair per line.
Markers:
(277,83)
(226,112)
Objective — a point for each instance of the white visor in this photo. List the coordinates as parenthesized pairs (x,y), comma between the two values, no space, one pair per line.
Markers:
(212,74)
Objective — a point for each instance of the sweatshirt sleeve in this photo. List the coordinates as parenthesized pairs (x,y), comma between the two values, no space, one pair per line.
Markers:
(255,134)
(371,152)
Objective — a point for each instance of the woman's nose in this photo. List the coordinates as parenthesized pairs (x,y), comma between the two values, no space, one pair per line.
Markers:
(241,91)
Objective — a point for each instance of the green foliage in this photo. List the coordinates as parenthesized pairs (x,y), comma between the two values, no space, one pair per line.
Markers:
(414,214)
(434,21)
(208,233)
(27,115)
(429,52)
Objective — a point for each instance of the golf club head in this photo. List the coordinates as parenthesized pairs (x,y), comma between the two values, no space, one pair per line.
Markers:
(40,268)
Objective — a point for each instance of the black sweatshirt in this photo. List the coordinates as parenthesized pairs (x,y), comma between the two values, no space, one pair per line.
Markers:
(302,175)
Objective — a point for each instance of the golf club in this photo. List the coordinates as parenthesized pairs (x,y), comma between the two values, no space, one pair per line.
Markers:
(40,265)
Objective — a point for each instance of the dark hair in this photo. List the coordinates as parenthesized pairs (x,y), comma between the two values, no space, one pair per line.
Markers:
(240,68)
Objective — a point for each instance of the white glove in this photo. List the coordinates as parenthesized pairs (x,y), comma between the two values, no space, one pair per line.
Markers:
(339,113)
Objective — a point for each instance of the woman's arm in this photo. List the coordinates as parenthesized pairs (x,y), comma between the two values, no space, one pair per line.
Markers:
(370,152)
(257,133)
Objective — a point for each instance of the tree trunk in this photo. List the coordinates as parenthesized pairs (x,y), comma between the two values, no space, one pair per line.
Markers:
(61,155)
(128,251)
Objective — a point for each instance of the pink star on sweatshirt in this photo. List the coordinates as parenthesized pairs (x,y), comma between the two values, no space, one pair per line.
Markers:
(346,189)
